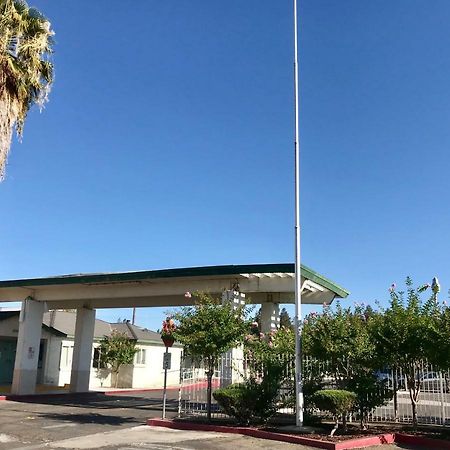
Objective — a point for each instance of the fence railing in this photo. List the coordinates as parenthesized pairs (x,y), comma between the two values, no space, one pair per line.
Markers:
(433,402)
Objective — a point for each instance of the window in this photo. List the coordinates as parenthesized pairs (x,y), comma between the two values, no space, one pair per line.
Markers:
(97,362)
(139,358)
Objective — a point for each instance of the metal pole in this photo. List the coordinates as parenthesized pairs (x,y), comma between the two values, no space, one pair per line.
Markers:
(441,389)
(298,282)
(133,319)
(165,388)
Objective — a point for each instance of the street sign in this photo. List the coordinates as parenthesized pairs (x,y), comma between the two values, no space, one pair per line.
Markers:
(167,359)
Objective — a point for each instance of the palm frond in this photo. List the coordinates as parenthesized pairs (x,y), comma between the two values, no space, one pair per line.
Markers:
(26,71)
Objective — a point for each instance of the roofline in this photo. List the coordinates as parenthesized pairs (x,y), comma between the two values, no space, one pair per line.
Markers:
(176,273)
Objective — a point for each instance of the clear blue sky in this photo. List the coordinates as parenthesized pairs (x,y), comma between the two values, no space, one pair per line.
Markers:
(167,142)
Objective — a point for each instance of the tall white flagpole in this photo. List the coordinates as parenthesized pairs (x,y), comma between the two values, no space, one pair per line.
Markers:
(298,282)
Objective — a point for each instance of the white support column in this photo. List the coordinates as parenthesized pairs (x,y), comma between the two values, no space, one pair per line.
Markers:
(27,351)
(232,367)
(82,350)
(270,317)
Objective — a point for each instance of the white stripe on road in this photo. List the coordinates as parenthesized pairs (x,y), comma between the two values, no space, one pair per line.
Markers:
(61,425)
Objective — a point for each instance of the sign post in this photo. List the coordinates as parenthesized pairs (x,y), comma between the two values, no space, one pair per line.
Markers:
(166,366)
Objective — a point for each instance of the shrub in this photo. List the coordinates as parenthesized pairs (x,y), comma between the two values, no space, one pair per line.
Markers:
(237,401)
(252,401)
(337,402)
(370,393)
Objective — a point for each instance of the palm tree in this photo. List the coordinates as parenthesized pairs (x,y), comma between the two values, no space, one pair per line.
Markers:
(26,72)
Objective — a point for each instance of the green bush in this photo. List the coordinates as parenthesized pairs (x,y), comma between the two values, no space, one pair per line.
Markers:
(251,401)
(337,402)
(370,393)
(236,401)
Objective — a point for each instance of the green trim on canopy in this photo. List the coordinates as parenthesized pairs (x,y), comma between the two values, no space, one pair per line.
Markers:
(120,277)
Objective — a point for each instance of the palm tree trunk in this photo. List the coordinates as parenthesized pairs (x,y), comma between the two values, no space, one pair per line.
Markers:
(8,115)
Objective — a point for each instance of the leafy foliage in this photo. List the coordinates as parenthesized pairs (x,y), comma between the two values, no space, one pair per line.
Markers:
(117,350)
(370,392)
(439,357)
(268,356)
(237,401)
(207,330)
(26,72)
(405,335)
(285,319)
(340,337)
(252,401)
(338,402)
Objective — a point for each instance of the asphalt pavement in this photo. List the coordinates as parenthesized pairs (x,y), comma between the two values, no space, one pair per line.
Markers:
(115,422)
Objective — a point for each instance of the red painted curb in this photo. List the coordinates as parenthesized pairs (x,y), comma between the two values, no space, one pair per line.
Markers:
(387,438)
(253,432)
(428,443)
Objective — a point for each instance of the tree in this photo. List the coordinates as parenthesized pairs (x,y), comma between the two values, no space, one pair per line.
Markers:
(207,330)
(340,341)
(117,350)
(340,338)
(442,358)
(26,72)
(405,335)
(285,319)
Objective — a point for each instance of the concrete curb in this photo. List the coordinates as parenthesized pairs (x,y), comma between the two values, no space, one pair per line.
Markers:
(387,438)
(254,432)
(428,443)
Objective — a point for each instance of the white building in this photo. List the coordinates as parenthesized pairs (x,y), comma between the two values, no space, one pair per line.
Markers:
(57,345)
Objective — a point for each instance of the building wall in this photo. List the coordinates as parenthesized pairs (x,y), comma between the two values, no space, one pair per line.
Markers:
(48,369)
(98,377)
(49,374)
(9,327)
(147,373)
(151,374)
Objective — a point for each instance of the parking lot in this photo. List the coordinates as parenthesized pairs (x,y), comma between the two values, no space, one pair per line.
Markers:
(47,419)
(106,422)
(109,422)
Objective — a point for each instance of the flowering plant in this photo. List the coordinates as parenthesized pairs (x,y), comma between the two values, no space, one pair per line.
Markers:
(168,327)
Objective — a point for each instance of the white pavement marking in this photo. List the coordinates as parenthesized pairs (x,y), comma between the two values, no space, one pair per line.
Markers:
(156,447)
(4,438)
(61,425)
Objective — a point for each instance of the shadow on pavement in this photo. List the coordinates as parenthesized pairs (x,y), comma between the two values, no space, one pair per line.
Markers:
(98,419)
(100,401)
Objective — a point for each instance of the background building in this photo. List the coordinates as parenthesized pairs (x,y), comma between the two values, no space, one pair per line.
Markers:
(56,351)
